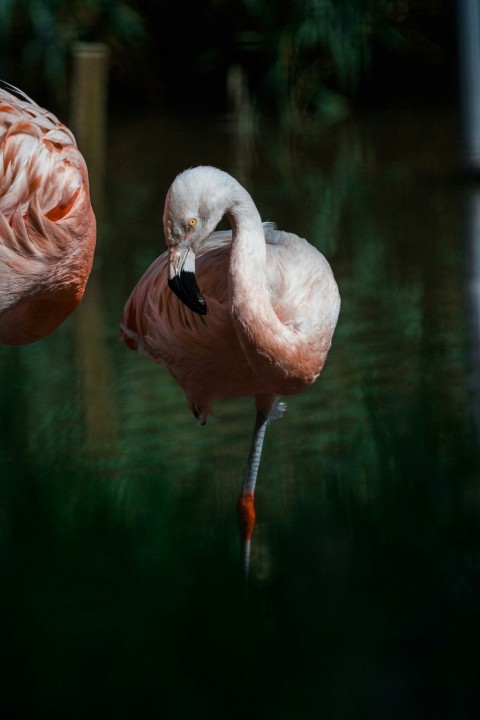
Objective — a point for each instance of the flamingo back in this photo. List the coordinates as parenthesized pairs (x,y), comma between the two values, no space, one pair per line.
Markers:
(47,225)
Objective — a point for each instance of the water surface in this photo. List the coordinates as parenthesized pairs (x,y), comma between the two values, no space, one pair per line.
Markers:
(119,549)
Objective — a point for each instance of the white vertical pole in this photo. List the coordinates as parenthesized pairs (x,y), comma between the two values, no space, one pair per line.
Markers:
(469,60)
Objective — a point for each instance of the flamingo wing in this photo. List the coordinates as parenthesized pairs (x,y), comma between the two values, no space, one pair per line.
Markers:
(47,225)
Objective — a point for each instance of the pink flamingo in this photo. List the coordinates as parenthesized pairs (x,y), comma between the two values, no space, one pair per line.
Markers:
(47,225)
(263,322)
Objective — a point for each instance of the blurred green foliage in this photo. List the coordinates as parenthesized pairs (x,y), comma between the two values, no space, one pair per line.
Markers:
(36,36)
(303,58)
(319,53)
(308,43)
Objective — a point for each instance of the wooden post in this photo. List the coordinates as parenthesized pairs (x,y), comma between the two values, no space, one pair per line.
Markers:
(242,122)
(89,112)
(89,125)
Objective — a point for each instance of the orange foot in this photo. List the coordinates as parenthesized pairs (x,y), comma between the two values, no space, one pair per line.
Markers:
(246,514)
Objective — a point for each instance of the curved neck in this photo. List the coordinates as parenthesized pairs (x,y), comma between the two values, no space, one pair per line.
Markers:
(248,256)
(275,350)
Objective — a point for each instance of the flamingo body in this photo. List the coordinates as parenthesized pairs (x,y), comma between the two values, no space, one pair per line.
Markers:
(208,356)
(47,225)
(272,302)
(264,310)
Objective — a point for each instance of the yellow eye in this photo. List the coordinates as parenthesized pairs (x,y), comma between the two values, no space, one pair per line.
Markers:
(192,222)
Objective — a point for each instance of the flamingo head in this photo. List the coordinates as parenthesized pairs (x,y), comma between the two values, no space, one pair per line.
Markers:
(195,204)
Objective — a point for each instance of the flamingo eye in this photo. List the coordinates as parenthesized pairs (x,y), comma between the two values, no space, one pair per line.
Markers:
(192,222)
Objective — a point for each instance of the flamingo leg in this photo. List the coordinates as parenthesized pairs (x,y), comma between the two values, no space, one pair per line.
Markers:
(255,454)
(246,501)
(268,408)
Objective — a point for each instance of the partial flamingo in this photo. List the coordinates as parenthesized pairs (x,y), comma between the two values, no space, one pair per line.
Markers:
(263,321)
(47,225)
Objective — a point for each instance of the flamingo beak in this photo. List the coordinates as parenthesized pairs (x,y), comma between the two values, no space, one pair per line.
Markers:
(181,278)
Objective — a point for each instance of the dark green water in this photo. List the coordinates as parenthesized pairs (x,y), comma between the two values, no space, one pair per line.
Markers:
(122,589)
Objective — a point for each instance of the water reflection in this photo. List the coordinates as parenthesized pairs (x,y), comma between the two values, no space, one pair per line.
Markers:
(118,533)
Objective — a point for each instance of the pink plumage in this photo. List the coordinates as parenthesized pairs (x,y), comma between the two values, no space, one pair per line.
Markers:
(47,225)
(259,322)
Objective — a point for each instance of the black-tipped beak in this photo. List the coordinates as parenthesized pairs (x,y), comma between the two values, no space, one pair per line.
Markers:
(185,287)
(182,281)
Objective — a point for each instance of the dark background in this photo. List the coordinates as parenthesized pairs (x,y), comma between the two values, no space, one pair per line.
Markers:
(177,52)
